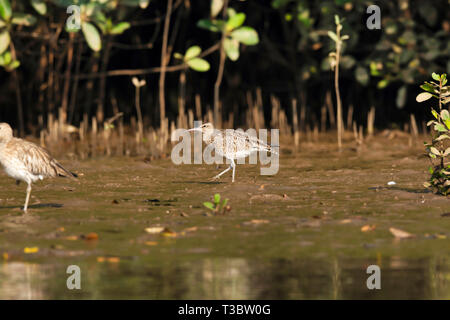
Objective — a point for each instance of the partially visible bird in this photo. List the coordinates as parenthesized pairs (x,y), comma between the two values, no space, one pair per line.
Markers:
(232,144)
(26,161)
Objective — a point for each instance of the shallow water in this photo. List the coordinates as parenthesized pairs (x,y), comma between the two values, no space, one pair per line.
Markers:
(295,235)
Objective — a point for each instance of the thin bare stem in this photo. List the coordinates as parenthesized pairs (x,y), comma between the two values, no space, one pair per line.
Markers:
(164,61)
(220,72)
(18,94)
(336,86)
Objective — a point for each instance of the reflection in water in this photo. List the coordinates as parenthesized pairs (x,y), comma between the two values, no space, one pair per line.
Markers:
(20,280)
(223,278)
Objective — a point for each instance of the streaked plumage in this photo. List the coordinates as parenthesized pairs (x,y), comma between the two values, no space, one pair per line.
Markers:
(231,144)
(26,161)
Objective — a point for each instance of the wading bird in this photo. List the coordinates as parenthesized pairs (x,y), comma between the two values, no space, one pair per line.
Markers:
(26,161)
(231,144)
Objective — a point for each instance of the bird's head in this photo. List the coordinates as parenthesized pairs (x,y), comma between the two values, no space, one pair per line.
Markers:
(6,132)
(207,129)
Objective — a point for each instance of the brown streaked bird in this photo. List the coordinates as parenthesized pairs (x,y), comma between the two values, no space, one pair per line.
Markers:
(232,144)
(26,161)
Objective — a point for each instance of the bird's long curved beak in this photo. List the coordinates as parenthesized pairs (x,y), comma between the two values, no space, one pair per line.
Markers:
(195,129)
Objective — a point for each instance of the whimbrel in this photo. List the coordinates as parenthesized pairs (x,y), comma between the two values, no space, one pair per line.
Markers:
(231,144)
(26,161)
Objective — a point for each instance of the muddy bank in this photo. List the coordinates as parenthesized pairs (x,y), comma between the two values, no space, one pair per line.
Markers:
(308,232)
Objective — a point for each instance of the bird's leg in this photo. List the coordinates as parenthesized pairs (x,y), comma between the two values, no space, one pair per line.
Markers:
(233,165)
(27,198)
(224,171)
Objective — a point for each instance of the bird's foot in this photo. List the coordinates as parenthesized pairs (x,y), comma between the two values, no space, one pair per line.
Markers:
(215,178)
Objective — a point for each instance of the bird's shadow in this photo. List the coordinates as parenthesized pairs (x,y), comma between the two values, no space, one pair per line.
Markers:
(35,206)
(199,182)
(410,190)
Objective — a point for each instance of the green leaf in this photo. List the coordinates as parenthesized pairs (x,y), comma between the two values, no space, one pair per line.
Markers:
(199,64)
(39,6)
(442,137)
(231,47)
(4,41)
(208,25)
(14,65)
(447,123)
(92,36)
(192,52)
(424,96)
(401,97)
(428,12)
(435,114)
(230,12)
(382,84)
(23,19)
(336,19)
(361,75)
(209,205)
(445,115)
(120,28)
(435,151)
(5,10)
(246,35)
(447,152)
(224,203)
(347,62)
(216,198)
(7,57)
(440,127)
(216,6)
(374,68)
(428,87)
(435,76)
(235,21)
(333,36)
(178,56)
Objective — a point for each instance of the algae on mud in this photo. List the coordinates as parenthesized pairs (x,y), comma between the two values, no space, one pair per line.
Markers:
(310,245)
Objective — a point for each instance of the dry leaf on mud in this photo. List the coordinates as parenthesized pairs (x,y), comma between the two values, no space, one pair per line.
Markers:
(89,236)
(400,234)
(168,233)
(72,238)
(368,228)
(154,230)
(435,236)
(256,222)
(151,243)
(30,250)
(108,259)
(267,197)
(191,229)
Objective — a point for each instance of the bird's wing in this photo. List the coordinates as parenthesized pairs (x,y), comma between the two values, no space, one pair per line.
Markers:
(251,141)
(38,160)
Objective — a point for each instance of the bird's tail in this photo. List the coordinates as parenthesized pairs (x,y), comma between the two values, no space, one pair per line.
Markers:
(63,172)
(273,148)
